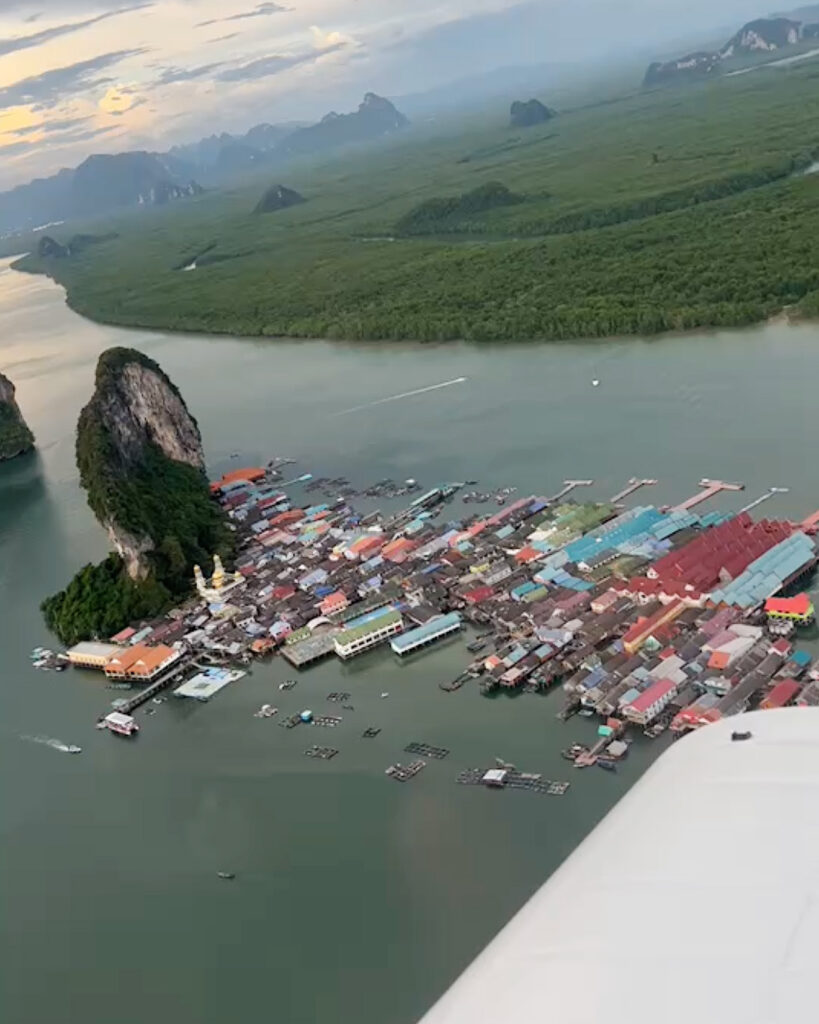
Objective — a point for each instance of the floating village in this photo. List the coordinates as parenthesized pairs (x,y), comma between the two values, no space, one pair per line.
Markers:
(651,619)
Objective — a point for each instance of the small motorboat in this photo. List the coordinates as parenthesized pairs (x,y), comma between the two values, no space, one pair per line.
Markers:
(383,695)
(227,875)
(585,712)
(71,749)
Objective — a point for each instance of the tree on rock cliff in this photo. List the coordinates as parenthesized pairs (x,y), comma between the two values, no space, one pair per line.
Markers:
(139,453)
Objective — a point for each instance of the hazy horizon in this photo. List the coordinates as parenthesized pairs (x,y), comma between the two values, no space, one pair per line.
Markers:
(110,75)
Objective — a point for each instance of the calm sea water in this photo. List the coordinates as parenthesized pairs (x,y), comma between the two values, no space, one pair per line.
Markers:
(356,898)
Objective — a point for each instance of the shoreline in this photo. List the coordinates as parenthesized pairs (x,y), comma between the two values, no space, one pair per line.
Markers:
(789,315)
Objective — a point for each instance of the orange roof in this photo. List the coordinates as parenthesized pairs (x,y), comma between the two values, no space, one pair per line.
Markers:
(528,554)
(799,605)
(151,659)
(139,660)
(122,662)
(719,659)
(249,473)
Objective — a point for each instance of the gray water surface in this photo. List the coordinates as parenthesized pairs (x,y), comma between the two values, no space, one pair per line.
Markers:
(356,898)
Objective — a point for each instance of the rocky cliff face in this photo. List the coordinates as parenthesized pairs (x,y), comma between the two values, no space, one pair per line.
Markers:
(763,35)
(137,445)
(140,459)
(138,405)
(15,436)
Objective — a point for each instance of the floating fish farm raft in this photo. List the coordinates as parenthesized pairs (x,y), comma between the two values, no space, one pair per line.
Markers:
(324,753)
(425,750)
(502,778)
(402,773)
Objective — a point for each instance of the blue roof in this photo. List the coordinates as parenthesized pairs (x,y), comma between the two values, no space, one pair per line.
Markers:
(363,620)
(768,573)
(435,627)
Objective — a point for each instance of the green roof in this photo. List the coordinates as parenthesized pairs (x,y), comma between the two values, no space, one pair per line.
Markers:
(349,636)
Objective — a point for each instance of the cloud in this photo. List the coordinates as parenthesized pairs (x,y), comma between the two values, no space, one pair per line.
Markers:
(260,11)
(224,39)
(118,99)
(273,65)
(47,34)
(171,75)
(51,87)
(63,125)
(329,40)
(16,147)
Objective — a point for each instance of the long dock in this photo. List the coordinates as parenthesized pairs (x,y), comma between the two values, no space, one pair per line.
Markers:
(770,493)
(568,487)
(633,485)
(710,489)
(126,706)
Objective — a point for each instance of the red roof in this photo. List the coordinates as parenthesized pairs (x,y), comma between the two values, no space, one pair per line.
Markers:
(478,594)
(528,554)
(782,694)
(725,549)
(799,605)
(650,696)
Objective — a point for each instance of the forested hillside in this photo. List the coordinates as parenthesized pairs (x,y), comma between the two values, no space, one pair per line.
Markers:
(634,213)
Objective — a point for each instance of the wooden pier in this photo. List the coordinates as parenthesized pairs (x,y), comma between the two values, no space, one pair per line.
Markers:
(127,705)
(568,487)
(633,485)
(770,493)
(710,488)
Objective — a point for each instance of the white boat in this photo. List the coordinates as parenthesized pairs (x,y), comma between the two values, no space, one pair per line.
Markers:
(121,724)
(71,749)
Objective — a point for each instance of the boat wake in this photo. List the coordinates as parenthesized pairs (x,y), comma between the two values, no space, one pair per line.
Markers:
(404,394)
(47,741)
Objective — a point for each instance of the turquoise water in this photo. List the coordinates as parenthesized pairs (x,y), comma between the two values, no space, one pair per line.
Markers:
(356,898)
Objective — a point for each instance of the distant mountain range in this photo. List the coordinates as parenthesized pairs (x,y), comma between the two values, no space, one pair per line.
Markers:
(102,184)
(764,35)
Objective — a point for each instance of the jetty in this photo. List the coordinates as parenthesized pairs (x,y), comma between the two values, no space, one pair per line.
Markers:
(770,493)
(710,488)
(633,485)
(568,487)
(126,705)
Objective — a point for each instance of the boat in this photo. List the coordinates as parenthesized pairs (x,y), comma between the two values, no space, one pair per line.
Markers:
(71,749)
(384,695)
(586,712)
(121,724)
(609,766)
(227,875)
(475,646)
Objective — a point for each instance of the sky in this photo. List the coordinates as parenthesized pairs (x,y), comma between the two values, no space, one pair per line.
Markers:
(83,76)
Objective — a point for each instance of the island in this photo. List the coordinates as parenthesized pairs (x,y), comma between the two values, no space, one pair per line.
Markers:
(15,436)
(141,463)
